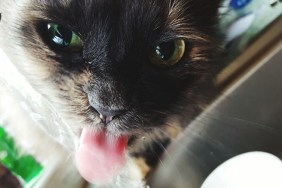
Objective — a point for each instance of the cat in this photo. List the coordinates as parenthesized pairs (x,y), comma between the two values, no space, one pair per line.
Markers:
(124,76)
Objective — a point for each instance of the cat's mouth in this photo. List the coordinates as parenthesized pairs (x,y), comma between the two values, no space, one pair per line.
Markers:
(100,155)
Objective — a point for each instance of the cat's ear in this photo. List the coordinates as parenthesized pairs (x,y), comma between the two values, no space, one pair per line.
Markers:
(205,10)
(207,5)
(204,13)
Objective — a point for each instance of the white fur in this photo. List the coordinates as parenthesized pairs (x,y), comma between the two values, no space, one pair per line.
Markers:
(29,130)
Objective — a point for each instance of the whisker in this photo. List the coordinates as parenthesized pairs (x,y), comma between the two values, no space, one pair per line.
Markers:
(155,154)
(168,157)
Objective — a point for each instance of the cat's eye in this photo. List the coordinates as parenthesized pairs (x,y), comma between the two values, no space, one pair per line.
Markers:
(168,53)
(63,39)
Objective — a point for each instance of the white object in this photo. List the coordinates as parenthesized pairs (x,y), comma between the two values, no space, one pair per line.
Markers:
(249,170)
(239,27)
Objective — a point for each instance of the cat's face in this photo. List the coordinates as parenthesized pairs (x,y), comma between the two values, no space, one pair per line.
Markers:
(126,66)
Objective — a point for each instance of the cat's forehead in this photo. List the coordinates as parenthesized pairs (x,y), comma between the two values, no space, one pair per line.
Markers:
(119,20)
(105,6)
(93,10)
(89,3)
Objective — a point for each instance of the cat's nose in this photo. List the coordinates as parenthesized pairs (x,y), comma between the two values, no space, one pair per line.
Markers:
(107,115)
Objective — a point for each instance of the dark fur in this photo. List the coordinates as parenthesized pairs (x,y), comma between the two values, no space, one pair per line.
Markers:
(114,71)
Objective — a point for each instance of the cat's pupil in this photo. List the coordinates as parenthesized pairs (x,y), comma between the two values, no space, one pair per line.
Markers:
(165,50)
(61,38)
(60,35)
(167,53)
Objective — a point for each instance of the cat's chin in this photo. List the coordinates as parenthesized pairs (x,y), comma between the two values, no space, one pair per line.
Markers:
(100,155)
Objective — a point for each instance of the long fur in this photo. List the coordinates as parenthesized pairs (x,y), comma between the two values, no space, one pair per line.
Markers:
(113,69)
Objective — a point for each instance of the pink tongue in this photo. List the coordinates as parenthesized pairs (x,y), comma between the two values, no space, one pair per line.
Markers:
(100,156)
